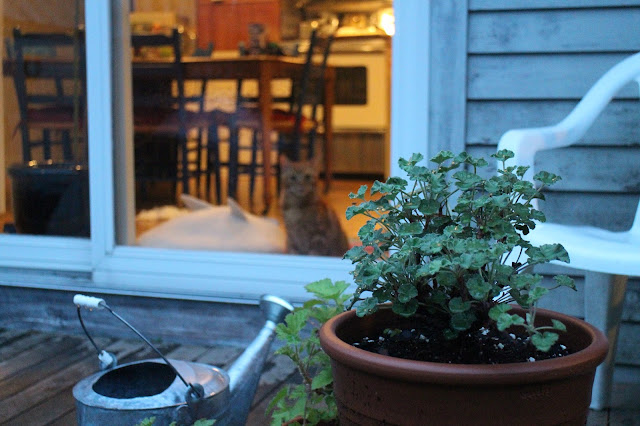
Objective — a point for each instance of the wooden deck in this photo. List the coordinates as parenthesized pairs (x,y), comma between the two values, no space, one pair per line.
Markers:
(38,371)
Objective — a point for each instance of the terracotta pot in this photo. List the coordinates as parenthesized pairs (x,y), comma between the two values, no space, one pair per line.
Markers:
(374,389)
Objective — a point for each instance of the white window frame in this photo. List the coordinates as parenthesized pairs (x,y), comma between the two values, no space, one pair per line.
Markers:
(99,264)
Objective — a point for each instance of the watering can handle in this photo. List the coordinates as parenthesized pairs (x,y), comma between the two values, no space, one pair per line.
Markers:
(88,302)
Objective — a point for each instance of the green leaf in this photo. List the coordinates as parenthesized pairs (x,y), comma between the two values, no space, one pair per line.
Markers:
(446,279)
(546,178)
(535,294)
(322,379)
(430,244)
(356,253)
(456,305)
(467,180)
(503,155)
(294,322)
(326,289)
(367,306)
(353,211)
(405,309)
(478,288)
(462,321)
(442,156)
(429,207)
(558,325)
(406,292)
(506,320)
(565,281)
(543,342)
(433,267)
(204,422)
(525,280)
(496,311)
(407,229)
(360,194)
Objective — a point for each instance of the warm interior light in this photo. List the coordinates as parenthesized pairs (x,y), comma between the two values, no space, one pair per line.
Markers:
(387,22)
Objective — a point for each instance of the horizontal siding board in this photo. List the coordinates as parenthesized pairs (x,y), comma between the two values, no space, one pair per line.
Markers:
(594,169)
(617,170)
(609,211)
(546,4)
(571,302)
(631,309)
(628,352)
(487,121)
(588,30)
(540,76)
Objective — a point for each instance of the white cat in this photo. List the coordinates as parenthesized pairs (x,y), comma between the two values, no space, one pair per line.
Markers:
(219,228)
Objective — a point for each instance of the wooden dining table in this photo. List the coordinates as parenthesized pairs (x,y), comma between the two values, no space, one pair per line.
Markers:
(263,69)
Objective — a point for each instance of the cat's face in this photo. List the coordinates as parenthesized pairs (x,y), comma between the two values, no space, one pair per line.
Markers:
(298,179)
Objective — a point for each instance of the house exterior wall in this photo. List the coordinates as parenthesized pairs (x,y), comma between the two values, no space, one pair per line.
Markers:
(497,65)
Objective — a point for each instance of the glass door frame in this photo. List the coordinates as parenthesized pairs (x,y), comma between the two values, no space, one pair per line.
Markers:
(100,264)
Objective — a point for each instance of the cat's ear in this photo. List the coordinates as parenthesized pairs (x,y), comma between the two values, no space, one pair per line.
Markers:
(236,210)
(193,203)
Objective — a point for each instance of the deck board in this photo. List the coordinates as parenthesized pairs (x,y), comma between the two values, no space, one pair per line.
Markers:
(38,371)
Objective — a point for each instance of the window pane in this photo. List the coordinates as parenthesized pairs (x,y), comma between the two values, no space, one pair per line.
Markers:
(45,144)
(212,149)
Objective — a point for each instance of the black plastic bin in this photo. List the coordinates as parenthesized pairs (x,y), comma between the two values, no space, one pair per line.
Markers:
(50,198)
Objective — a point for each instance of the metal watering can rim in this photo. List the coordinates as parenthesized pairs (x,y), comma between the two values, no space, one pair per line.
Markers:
(216,385)
(184,388)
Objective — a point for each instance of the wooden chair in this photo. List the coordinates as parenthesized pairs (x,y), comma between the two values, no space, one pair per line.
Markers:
(296,131)
(50,83)
(608,258)
(164,115)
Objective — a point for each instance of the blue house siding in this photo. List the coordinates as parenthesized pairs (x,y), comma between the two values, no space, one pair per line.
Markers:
(526,63)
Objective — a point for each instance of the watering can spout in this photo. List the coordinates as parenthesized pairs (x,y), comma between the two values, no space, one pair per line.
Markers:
(245,372)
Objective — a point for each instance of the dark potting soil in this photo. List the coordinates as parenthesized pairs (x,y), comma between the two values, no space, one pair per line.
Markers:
(475,346)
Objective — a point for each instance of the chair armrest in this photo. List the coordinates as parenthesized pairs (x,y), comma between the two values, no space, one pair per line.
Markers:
(525,143)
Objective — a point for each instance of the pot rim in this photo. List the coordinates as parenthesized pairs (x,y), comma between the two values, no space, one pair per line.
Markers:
(581,362)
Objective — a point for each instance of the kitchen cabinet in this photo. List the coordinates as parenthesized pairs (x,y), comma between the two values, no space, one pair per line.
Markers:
(226,22)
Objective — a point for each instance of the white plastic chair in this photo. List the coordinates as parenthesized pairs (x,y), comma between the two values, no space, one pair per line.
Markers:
(608,258)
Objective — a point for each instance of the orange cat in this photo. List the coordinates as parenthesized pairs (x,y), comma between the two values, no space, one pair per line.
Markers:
(311,225)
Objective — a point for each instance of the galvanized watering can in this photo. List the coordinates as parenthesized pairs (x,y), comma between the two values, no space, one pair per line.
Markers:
(173,390)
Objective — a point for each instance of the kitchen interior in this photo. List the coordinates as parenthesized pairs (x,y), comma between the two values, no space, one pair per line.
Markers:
(361,53)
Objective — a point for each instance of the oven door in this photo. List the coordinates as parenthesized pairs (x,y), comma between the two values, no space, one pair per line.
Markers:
(362,91)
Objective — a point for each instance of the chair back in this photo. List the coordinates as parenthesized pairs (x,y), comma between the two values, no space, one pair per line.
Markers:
(525,143)
(153,84)
(310,88)
(50,83)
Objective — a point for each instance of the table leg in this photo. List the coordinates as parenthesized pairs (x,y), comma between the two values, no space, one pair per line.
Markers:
(264,100)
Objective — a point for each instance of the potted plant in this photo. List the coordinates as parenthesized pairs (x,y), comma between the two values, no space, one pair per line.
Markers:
(433,338)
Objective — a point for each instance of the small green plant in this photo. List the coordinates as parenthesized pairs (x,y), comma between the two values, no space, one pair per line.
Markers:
(311,401)
(467,259)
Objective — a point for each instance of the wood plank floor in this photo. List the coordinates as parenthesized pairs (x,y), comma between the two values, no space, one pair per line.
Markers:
(38,371)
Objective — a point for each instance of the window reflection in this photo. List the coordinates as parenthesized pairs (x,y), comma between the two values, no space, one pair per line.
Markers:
(45,147)
(206,188)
